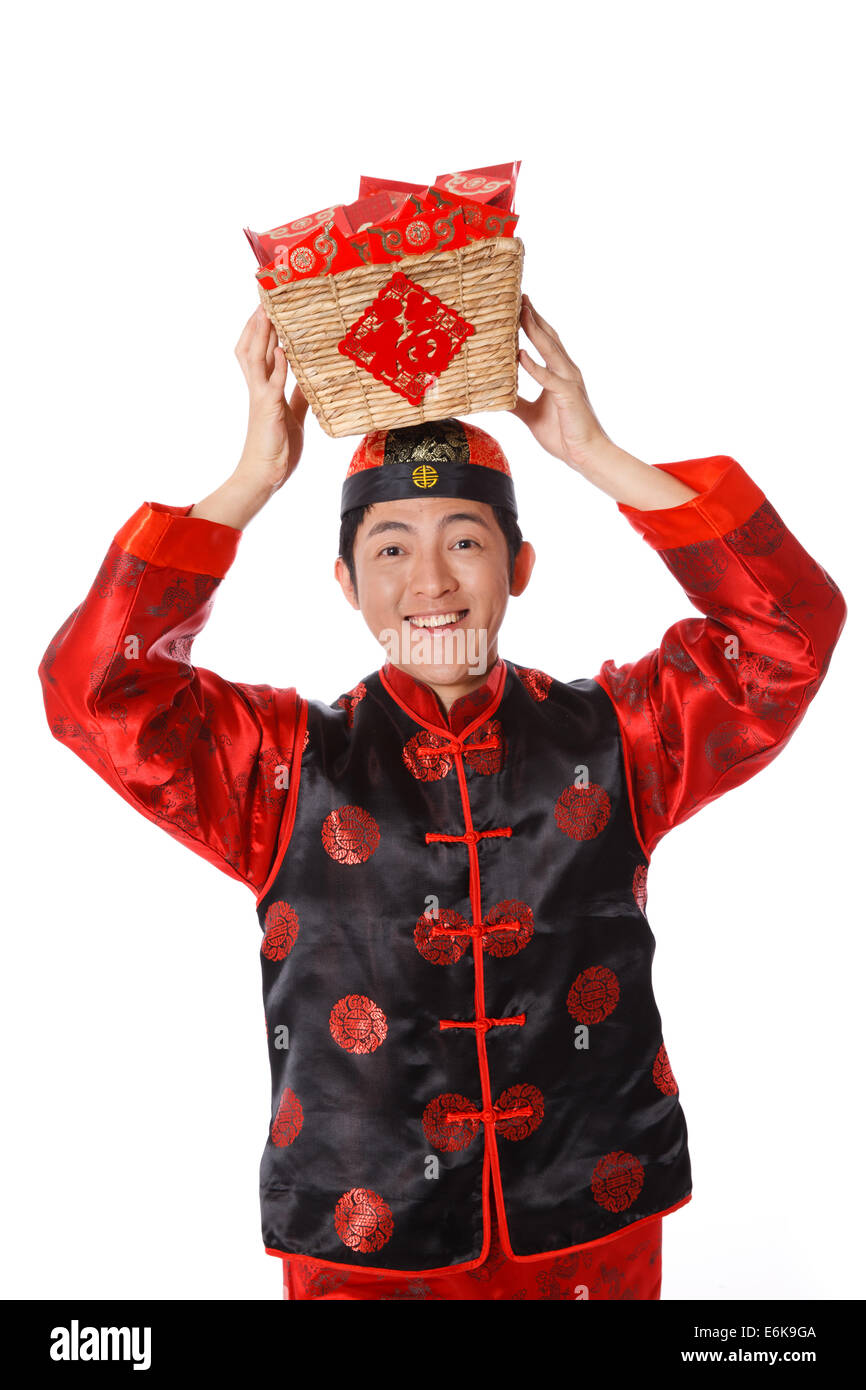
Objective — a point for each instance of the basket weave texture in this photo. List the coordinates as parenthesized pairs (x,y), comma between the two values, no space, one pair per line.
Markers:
(481,281)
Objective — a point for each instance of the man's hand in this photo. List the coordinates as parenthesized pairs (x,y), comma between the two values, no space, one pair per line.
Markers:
(565,424)
(275,430)
(561,419)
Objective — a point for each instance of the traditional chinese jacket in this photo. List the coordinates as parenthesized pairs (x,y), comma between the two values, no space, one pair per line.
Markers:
(455,950)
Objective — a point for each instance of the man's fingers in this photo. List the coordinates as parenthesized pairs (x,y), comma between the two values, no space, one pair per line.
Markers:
(253,359)
(248,350)
(269,351)
(523,409)
(279,371)
(545,339)
(548,328)
(262,327)
(248,330)
(543,375)
(298,404)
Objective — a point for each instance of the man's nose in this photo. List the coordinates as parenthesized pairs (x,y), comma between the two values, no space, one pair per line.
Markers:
(431,573)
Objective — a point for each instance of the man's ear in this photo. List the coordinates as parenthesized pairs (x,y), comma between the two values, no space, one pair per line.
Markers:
(344,579)
(524,561)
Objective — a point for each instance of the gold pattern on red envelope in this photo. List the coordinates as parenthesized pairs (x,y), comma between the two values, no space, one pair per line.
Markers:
(479,219)
(322,251)
(406,338)
(415,230)
(387,221)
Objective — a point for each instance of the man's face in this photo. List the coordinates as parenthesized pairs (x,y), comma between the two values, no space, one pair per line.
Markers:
(428,566)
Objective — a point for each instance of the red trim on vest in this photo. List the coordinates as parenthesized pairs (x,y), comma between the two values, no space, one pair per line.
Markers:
(392,678)
(625,761)
(291,806)
(473,1264)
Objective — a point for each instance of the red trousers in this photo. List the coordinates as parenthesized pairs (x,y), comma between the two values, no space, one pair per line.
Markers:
(627,1267)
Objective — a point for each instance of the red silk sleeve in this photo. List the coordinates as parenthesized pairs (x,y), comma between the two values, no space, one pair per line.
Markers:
(208,760)
(723,693)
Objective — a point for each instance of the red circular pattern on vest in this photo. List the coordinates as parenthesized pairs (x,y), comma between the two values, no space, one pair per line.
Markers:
(427,768)
(289,1118)
(354,697)
(638,886)
(538,683)
(306,739)
(363,1220)
(507,942)
(454,1135)
(594,995)
(350,834)
(522,1125)
(486,760)
(583,812)
(617,1180)
(662,1074)
(357,1024)
(281,931)
(445,949)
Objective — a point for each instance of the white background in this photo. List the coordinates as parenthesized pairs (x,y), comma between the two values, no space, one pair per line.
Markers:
(690,205)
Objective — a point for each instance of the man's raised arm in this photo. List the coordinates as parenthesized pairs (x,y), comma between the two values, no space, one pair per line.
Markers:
(722,694)
(207,759)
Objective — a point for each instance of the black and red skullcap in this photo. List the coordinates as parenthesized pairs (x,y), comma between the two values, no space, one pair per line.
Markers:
(441,458)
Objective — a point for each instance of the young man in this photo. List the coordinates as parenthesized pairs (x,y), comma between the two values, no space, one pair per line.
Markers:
(471,1093)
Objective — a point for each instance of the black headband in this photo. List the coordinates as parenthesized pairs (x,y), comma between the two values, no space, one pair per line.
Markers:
(390,481)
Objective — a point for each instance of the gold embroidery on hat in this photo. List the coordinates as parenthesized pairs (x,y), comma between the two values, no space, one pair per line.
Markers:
(425,475)
(433,441)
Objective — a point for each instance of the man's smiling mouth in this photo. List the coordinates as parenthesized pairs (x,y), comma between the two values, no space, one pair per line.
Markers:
(437,620)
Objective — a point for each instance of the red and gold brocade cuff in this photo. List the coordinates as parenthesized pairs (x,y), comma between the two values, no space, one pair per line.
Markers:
(726,499)
(167,536)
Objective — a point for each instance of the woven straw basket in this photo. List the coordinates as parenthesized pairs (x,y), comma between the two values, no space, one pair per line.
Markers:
(480,280)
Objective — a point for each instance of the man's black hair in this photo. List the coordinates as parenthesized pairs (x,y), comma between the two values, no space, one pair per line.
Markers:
(352,520)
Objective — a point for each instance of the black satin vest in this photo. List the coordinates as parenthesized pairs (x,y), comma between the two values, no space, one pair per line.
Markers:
(457,985)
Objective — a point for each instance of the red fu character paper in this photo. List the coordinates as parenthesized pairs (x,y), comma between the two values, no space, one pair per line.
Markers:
(406,338)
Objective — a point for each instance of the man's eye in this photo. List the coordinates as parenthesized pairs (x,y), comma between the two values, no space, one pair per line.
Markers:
(465,540)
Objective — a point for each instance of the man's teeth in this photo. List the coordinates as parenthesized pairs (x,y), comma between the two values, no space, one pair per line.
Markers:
(438,620)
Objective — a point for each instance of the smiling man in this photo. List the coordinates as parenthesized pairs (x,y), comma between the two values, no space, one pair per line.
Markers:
(471,1093)
(432,579)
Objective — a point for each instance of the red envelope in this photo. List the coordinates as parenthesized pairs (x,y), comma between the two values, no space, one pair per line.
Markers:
(481,219)
(493,185)
(412,233)
(389,219)
(323,251)
(267,245)
(376,207)
(369,186)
